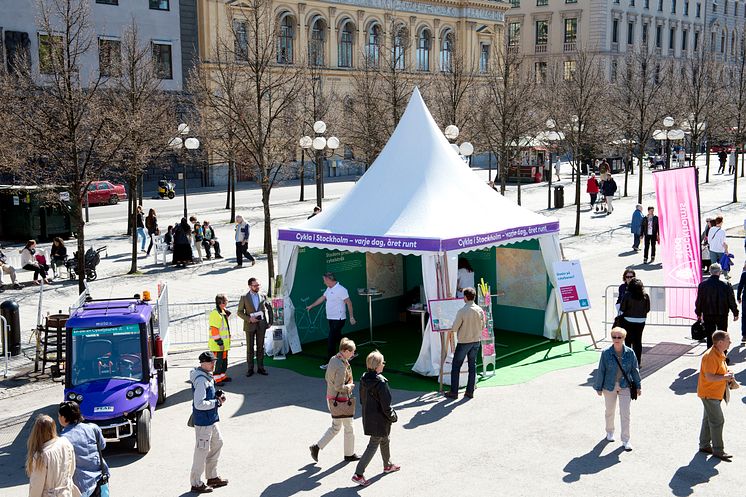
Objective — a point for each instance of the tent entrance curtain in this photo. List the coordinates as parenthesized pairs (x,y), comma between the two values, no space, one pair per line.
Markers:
(287,260)
(551,253)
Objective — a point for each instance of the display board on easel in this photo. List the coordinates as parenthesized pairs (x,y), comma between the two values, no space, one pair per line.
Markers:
(574,297)
(443,313)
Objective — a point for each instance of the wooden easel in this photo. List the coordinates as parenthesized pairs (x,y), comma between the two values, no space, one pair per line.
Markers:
(446,338)
(570,336)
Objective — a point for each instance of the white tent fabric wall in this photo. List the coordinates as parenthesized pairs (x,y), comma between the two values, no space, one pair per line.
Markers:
(412,202)
(287,262)
(551,253)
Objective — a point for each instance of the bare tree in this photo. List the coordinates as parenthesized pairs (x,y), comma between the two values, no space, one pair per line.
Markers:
(143,114)
(507,115)
(396,77)
(261,102)
(736,106)
(638,100)
(453,93)
(62,119)
(363,126)
(577,102)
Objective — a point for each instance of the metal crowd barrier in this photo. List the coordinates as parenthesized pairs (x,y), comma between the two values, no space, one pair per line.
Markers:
(189,323)
(660,298)
(6,345)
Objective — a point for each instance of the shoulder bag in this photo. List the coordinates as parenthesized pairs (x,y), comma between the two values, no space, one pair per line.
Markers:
(632,384)
(341,408)
(102,486)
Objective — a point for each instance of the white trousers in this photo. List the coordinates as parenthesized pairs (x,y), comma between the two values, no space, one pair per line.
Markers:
(625,400)
(609,201)
(206,453)
(349,435)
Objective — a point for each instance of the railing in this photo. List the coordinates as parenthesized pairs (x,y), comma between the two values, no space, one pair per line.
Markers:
(540,49)
(513,49)
(189,323)
(659,298)
(81,298)
(570,47)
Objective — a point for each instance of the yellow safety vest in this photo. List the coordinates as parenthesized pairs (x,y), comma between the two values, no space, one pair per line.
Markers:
(220,321)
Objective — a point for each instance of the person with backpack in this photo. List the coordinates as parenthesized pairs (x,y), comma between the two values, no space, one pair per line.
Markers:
(608,188)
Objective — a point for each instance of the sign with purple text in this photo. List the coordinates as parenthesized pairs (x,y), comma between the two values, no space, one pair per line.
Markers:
(571,286)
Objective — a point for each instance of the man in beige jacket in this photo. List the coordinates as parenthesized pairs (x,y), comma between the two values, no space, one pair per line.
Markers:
(255,310)
(468,327)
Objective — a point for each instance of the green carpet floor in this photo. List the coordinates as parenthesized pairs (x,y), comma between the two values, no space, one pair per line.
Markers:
(529,356)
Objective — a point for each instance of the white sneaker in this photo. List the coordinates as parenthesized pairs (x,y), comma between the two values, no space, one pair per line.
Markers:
(610,437)
(627,446)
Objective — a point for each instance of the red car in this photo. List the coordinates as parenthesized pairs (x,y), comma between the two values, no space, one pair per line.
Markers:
(105,192)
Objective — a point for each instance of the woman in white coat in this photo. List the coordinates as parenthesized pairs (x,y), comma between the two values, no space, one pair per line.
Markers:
(50,463)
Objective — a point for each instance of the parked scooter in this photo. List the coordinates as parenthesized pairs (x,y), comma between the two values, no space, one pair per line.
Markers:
(166,188)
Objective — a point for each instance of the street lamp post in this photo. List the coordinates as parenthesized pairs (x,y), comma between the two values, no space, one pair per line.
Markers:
(466,149)
(551,124)
(177,144)
(668,123)
(319,144)
(305,143)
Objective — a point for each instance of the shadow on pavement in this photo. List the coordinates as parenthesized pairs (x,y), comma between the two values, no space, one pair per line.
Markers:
(699,470)
(592,462)
(686,382)
(308,478)
(433,408)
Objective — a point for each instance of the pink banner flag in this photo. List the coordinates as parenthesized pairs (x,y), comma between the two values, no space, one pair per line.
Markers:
(676,195)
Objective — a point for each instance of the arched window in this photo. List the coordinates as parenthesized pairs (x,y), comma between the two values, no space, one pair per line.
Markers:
(446,51)
(424,42)
(723,41)
(285,40)
(373,46)
(344,50)
(317,44)
(732,43)
(399,50)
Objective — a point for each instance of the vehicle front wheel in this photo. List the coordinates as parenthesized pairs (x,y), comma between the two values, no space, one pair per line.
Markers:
(143,431)
(113,200)
(161,387)
(171,195)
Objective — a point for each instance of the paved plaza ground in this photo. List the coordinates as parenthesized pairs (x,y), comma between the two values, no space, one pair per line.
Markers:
(542,437)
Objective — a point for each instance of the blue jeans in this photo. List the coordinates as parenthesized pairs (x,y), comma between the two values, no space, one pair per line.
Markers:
(469,351)
(141,234)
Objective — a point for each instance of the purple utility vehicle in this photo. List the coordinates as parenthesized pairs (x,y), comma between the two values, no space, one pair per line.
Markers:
(116,366)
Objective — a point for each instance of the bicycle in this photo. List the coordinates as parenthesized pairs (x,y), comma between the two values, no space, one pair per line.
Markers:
(308,322)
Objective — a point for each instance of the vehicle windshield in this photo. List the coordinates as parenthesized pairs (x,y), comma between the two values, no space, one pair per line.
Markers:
(106,353)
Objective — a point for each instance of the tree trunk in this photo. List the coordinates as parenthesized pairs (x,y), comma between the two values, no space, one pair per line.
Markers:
(502,170)
(519,185)
(232,172)
(577,198)
(707,163)
(627,165)
(132,215)
(228,190)
(639,181)
(79,222)
(268,232)
(141,183)
(130,202)
(303,181)
(735,179)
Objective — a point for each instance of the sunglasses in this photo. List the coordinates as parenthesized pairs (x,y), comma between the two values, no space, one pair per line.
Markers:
(617,337)
(628,277)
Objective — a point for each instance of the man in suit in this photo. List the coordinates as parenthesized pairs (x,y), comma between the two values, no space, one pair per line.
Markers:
(256,311)
(650,230)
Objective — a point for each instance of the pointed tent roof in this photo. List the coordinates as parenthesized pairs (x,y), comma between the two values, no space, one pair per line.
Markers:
(419,196)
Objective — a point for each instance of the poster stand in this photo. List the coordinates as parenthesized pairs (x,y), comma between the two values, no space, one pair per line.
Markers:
(570,335)
(575,301)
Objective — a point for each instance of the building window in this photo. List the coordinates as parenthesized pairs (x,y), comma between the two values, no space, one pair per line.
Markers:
(686,7)
(658,36)
(514,34)
(732,44)
(108,2)
(673,6)
(424,43)
(542,3)
(162,59)
(698,10)
(646,4)
(317,47)
(158,4)
(631,3)
(240,40)
(672,39)
(109,57)
(540,72)
(684,40)
(446,51)
(714,7)
(660,5)
(722,42)
(373,51)
(542,32)
(569,70)
(50,53)
(614,70)
(725,7)
(645,33)
(571,30)
(630,32)
(344,50)
(515,3)
(285,41)
(615,31)
(484,58)
(571,1)
(400,48)
(696,41)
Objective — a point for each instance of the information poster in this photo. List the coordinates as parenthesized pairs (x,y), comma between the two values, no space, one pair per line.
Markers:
(571,286)
(443,313)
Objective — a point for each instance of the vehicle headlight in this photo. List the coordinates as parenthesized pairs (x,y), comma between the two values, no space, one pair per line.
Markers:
(138,391)
(79,398)
(71,396)
(130,394)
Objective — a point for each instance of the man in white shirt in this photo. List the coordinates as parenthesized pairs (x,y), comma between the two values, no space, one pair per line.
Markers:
(336,298)
(716,241)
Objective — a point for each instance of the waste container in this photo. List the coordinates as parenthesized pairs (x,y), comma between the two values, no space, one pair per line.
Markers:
(9,310)
(559,197)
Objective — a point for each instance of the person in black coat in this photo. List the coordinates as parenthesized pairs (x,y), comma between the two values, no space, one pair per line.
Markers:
(182,244)
(626,278)
(634,309)
(378,415)
(714,299)
(741,288)
(651,231)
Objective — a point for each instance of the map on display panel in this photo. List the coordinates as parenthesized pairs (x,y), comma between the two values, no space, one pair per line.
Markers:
(443,313)
(385,273)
